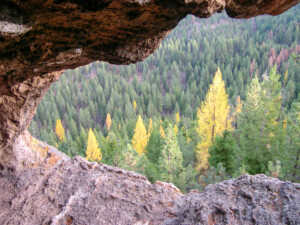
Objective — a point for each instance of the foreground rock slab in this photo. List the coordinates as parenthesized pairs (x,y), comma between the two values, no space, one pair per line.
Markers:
(51,188)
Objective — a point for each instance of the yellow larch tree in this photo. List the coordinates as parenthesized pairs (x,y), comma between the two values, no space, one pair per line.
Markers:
(161,131)
(108,121)
(60,131)
(177,118)
(175,129)
(93,152)
(213,118)
(140,137)
(134,105)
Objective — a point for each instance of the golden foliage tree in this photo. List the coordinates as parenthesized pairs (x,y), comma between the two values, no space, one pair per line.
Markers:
(175,129)
(161,131)
(93,152)
(140,137)
(60,131)
(108,121)
(177,118)
(213,118)
(134,105)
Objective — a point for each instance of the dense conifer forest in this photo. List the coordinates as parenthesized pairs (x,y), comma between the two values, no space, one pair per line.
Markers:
(219,98)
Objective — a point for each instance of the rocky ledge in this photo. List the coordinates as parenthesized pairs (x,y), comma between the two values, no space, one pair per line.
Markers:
(54,189)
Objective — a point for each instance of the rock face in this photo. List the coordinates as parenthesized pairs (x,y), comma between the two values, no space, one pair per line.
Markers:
(18,102)
(54,189)
(246,200)
(40,185)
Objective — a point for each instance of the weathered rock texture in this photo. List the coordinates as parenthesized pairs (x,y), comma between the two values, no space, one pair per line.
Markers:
(246,200)
(41,37)
(57,190)
(18,102)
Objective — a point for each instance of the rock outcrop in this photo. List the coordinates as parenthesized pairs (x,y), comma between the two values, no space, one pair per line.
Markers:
(246,200)
(54,189)
(40,185)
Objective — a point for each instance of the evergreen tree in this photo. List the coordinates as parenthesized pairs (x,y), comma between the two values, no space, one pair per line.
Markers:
(130,159)
(112,150)
(188,142)
(93,152)
(60,131)
(291,155)
(238,109)
(261,137)
(213,118)
(250,120)
(140,137)
(170,161)
(223,150)
(150,127)
(154,146)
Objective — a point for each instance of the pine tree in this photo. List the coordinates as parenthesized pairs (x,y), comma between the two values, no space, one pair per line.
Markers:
(108,121)
(93,152)
(154,144)
(130,159)
(140,137)
(260,134)
(238,109)
(223,151)
(150,127)
(111,149)
(170,161)
(188,142)
(213,118)
(291,156)
(60,131)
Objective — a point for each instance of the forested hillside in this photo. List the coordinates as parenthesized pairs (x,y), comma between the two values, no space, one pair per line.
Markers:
(219,98)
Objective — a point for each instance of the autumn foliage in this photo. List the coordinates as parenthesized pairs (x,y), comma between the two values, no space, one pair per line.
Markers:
(108,121)
(60,131)
(213,118)
(93,152)
(140,137)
